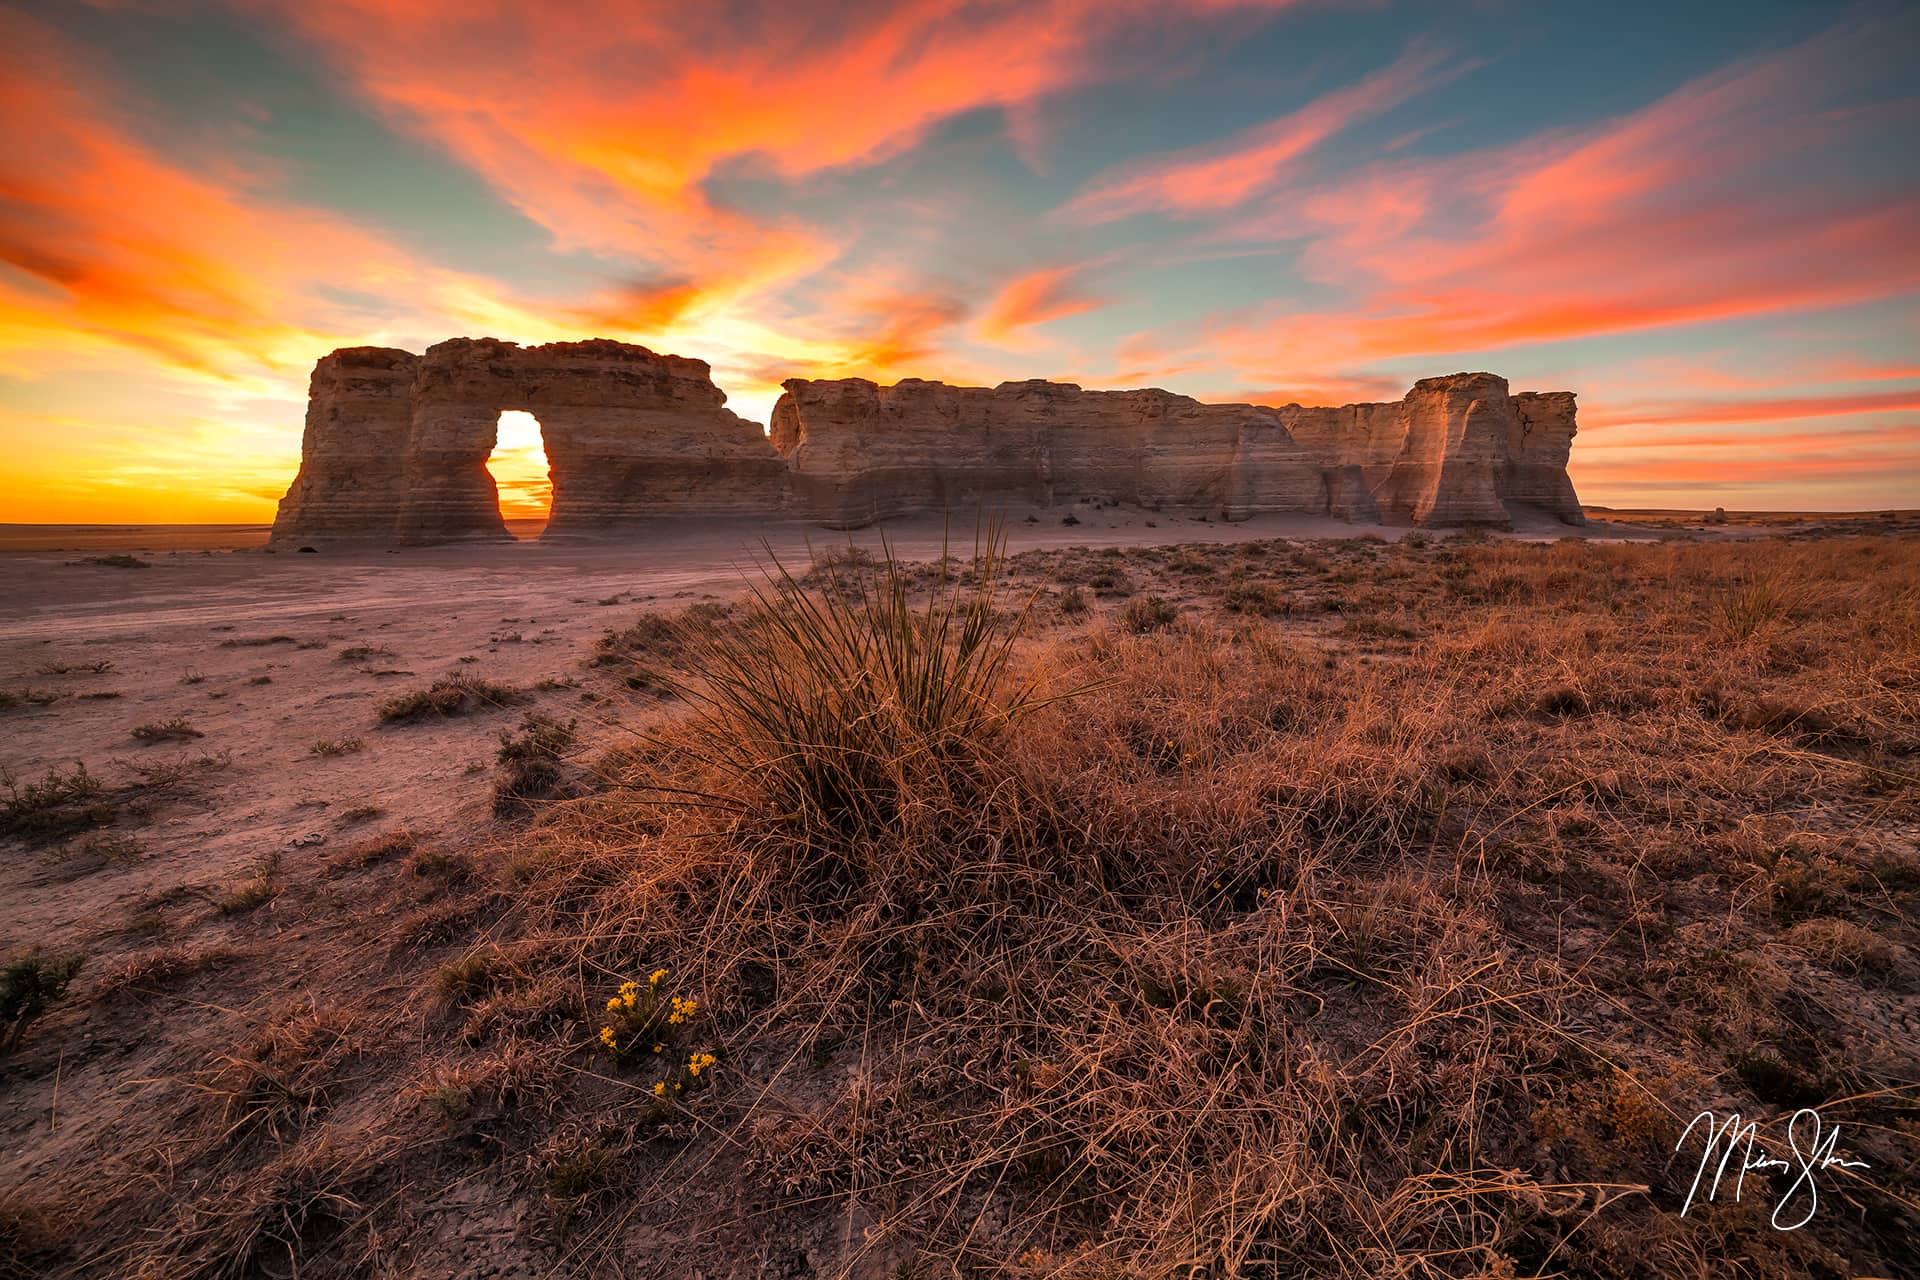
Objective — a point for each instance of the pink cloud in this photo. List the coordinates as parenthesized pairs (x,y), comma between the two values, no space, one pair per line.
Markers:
(1223,176)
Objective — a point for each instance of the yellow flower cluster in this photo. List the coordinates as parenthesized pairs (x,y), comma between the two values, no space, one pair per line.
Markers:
(660,1090)
(682,1010)
(606,1038)
(699,1062)
(629,994)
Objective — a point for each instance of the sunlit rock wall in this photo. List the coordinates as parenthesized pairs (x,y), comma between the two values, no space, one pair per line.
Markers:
(396,447)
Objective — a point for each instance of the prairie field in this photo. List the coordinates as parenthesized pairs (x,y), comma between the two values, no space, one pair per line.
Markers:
(1280,907)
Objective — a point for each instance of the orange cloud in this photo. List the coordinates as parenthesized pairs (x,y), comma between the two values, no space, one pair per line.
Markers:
(1223,176)
(1710,204)
(614,152)
(1690,412)
(1038,297)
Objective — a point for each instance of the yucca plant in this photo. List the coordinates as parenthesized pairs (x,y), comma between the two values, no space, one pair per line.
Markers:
(830,707)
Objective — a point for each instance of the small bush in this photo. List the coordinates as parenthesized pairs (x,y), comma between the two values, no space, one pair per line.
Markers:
(456,695)
(1148,613)
(1073,602)
(174,730)
(118,561)
(28,988)
(337,746)
(59,804)
(531,763)
(256,642)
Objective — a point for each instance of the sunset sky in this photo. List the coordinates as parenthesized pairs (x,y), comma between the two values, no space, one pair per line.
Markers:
(1704,218)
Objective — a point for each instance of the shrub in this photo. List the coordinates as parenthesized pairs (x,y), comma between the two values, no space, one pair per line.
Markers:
(337,746)
(531,763)
(174,730)
(28,988)
(456,695)
(59,804)
(1148,613)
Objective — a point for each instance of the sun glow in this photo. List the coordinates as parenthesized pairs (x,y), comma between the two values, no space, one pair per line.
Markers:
(518,465)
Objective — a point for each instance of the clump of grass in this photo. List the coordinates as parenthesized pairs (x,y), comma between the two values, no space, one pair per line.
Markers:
(530,763)
(62,803)
(337,746)
(1148,613)
(119,560)
(1255,598)
(28,988)
(164,969)
(363,653)
(457,695)
(10,698)
(258,889)
(255,642)
(1073,602)
(174,730)
(96,668)
(1746,608)
(830,708)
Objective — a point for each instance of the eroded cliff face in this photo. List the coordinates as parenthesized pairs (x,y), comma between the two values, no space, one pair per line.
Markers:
(858,452)
(1455,451)
(396,447)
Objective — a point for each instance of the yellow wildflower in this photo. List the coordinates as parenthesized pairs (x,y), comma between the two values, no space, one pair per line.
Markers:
(653,979)
(660,1090)
(606,1037)
(613,1004)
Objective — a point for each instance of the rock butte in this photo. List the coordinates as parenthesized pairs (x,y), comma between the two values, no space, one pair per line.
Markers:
(396,447)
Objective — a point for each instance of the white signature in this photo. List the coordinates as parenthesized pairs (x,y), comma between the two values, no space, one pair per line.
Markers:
(1811,1151)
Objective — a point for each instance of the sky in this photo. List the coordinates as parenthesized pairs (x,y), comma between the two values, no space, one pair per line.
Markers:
(1704,218)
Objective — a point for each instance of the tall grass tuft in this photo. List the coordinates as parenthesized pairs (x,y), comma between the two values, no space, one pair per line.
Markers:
(830,707)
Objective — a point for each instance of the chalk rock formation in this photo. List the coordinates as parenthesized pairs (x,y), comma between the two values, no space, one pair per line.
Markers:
(858,452)
(1455,451)
(396,445)
(352,481)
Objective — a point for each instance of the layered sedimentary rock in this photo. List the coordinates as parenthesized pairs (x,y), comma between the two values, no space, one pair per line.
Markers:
(396,447)
(352,481)
(1455,451)
(857,452)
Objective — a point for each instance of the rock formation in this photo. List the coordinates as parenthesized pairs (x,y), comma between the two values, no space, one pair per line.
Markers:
(1455,451)
(396,447)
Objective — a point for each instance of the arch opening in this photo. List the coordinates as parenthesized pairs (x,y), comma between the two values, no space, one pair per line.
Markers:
(521,473)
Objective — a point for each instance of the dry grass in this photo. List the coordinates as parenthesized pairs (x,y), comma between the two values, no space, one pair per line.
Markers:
(457,695)
(1282,946)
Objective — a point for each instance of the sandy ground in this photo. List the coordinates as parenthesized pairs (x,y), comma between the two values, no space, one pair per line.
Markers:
(251,649)
(256,652)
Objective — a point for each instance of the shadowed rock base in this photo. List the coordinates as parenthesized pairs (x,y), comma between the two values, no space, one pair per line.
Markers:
(396,447)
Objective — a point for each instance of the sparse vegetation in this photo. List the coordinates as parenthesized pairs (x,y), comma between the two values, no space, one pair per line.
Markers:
(531,763)
(28,988)
(258,889)
(1398,938)
(61,803)
(1148,613)
(330,747)
(457,695)
(174,730)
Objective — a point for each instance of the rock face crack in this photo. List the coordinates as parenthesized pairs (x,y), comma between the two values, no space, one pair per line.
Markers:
(396,446)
